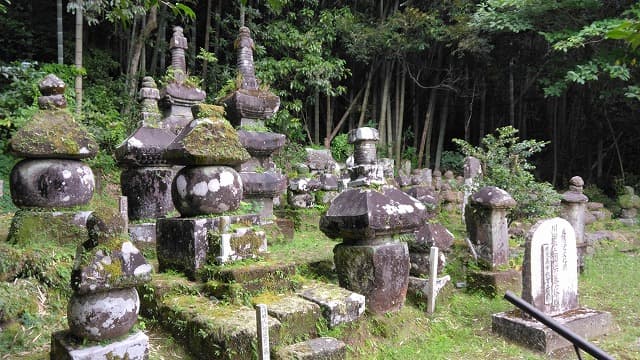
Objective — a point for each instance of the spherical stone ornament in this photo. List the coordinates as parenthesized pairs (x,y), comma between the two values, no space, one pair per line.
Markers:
(51,183)
(103,315)
(202,190)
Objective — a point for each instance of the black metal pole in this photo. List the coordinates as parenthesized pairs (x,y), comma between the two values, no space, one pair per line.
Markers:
(574,338)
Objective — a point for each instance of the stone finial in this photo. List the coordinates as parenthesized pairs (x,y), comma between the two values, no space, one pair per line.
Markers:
(244,61)
(493,197)
(177,46)
(149,96)
(52,89)
(364,140)
(575,195)
(576,184)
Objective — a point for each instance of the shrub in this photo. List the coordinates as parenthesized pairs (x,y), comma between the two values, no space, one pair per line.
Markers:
(504,164)
(340,147)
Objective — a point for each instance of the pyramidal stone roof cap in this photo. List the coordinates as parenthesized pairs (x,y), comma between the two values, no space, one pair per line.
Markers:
(493,197)
(363,134)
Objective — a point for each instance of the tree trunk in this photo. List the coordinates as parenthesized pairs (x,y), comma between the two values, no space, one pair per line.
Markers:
(158,51)
(483,110)
(207,32)
(554,137)
(425,139)
(132,76)
(444,115)
(59,31)
(400,115)
(316,118)
(343,119)
(384,103)
(329,121)
(134,28)
(365,100)
(78,56)
(512,96)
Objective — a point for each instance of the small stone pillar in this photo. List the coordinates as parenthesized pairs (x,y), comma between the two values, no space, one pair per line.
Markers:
(437,180)
(550,284)
(51,175)
(487,227)
(574,205)
(204,191)
(629,202)
(177,97)
(472,169)
(104,305)
(368,217)
(300,190)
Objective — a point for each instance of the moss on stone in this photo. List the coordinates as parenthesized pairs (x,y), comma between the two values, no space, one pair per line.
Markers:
(53,133)
(214,140)
(29,227)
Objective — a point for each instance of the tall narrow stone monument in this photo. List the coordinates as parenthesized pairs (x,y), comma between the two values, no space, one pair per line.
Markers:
(369,217)
(51,178)
(550,284)
(487,227)
(574,206)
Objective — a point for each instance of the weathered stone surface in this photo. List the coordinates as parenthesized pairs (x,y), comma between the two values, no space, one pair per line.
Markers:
(338,305)
(182,243)
(324,348)
(299,317)
(236,244)
(148,190)
(494,283)
(65,346)
(144,233)
(432,234)
(364,149)
(59,227)
(53,134)
(379,272)
(421,263)
(103,315)
(261,143)
(303,185)
(403,180)
(301,201)
(549,272)
(145,147)
(103,225)
(51,183)
(422,177)
(267,184)
(492,197)
(250,104)
(320,160)
(329,182)
(425,194)
(213,331)
(114,265)
(530,333)
(361,215)
(207,141)
(472,167)
(201,190)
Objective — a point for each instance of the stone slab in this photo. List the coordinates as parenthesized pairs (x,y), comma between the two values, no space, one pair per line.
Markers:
(143,233)
(534,335)
(65,347)
(494,283)
(338,305)
(182,243)
(60,227)
(299,317)
(324,348)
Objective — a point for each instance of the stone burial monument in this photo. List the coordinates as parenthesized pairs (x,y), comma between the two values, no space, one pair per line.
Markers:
(247,108)
(369,217)
(104,306)
(51,179)
(487,226)
(207,191)
(550,284)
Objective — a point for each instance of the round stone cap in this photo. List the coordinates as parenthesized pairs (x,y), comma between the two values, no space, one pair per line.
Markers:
(493,197)
(363,134)
(51,85)
(576,181)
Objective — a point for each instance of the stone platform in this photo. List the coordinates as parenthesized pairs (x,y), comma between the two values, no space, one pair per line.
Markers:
(534,335)
(65,347)
(324,348)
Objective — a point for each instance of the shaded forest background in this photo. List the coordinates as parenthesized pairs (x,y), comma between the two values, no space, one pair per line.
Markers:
(422,72)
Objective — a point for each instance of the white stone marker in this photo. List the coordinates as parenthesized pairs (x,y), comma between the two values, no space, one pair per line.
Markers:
(263,331)
(123,207)
(433,279)
(549,274)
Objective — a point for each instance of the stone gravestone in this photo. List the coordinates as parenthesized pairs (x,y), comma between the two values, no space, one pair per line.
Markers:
(574,205)
(550,284)
(487,227)
(472,169)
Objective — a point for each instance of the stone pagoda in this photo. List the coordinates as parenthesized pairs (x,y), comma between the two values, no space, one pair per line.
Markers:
(247,108)
(104,305)
(574,207)
(52,176)
(205,191)
(146,176)
(550,284)
(369,217)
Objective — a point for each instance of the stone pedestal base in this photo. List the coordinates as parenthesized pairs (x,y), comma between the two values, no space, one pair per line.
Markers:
(144,233)
(379,272)
(59,227)
(185,244)
(536,336)
(148,191)
(66,347)
(494,283)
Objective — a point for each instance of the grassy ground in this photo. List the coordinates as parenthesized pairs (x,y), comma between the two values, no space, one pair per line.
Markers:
(460,328)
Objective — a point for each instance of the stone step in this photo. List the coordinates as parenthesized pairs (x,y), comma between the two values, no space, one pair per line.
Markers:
(214,331)
(299,317)
(324,348)
(235,283)
(338,305)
